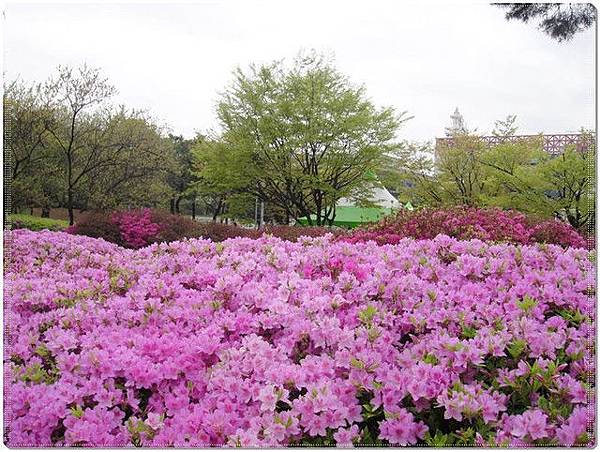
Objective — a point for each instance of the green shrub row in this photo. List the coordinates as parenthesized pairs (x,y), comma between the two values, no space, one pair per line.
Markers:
(23,221)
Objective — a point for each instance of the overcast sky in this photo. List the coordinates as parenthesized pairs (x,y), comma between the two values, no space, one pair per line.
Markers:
(426,58)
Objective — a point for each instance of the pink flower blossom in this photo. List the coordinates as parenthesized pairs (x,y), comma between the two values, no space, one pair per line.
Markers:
(267,343)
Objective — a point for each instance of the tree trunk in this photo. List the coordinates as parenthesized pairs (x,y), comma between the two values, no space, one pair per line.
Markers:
(217,210)
(331,215)
(70,206)
(45,212)
(177,211)
(194,209)
(172,206)
(318,208)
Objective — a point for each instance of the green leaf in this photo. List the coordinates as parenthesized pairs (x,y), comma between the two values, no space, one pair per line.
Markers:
(527,304)
(468,332)
(438,440)
(357,363)
(77,411)
(367,314)
(516,348)
(430,359)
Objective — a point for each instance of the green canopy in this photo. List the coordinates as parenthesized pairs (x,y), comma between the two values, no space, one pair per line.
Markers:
(352,216)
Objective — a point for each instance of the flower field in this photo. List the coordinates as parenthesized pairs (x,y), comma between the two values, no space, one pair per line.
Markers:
(268,342)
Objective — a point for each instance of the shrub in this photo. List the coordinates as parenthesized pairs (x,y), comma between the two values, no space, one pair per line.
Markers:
(174,227)
(557,232)
(98,225)
(136,228)
(22,221)
(217,232)
(293,233)
(465,223)
(270,343)
(142,227)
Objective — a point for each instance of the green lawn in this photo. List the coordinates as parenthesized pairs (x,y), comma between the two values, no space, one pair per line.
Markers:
(23,221)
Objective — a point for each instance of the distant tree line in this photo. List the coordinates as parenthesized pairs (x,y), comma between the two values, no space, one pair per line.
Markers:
(298,138)
(295,137)
(68,146)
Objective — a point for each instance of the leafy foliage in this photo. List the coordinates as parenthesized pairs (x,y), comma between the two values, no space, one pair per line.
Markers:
(561,21)
(300,138)
(68,146)
(511,175)
(22,221)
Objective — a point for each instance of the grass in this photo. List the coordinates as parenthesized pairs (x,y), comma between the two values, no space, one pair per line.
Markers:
(23,221)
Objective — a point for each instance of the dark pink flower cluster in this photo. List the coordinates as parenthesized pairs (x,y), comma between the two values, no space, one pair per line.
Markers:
(317,342)
(558,232)
(467,223)
(136,227)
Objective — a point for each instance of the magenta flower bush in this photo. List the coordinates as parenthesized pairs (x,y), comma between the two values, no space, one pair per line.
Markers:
(142,227)
(132,228)
(268,342)
(557,232)
(136,227)
(465,223)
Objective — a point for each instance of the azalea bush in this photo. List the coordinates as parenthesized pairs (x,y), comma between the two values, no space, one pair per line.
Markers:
(136,228)
(294,233)
(467,223)
(558,232)
(316,342)
(142,227)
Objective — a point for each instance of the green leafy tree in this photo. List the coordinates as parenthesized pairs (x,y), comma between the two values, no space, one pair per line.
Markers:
(133,162)
(523,176)
(517,175)
(570,189)
(220,180)
(181,177)
(303,137)
(458,173)
(31,174)
(78,97)
(69,147)
(511,176)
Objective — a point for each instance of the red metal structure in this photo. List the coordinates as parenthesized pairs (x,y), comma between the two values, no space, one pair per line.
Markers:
(554,144)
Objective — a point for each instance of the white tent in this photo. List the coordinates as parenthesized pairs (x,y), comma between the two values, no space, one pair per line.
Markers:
(380,196)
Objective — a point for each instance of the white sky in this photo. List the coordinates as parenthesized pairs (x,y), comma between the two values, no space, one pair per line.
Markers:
(426,58)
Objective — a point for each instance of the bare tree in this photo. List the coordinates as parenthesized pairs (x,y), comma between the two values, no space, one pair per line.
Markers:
(78,95)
